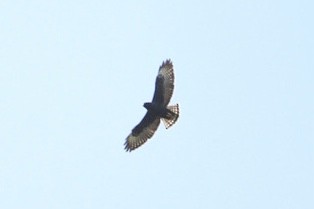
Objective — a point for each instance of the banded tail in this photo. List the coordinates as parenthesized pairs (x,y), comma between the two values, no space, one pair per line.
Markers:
(173,116)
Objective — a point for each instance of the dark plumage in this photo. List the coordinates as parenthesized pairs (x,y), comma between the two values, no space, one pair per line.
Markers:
(156,110)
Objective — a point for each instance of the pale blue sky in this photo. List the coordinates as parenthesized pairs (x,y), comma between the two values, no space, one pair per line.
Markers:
(75,74)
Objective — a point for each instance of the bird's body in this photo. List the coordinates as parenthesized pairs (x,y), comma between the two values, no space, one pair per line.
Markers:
(157,109)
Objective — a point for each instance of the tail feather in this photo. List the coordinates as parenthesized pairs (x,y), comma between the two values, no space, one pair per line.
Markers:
(174,115)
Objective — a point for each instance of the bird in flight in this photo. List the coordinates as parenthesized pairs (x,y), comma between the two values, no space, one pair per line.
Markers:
(157,110)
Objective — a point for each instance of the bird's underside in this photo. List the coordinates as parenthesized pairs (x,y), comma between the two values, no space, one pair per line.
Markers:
(157,110)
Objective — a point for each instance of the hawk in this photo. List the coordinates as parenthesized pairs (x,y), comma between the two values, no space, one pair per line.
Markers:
(157,110)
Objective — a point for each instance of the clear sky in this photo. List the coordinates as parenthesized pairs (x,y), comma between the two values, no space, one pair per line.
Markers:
(75,74)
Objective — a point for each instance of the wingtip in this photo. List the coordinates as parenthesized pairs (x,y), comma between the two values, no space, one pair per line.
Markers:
(127,149)
(127,146)
(167,62)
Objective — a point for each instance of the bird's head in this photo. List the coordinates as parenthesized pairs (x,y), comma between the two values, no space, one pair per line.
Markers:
(147,105)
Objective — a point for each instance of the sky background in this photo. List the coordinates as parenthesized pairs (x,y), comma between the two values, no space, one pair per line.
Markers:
(75,74)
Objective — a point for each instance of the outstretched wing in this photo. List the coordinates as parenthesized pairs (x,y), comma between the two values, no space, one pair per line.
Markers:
(164,84)
(143,131)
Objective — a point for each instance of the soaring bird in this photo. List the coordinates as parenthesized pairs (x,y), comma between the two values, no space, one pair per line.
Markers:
(157,110)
